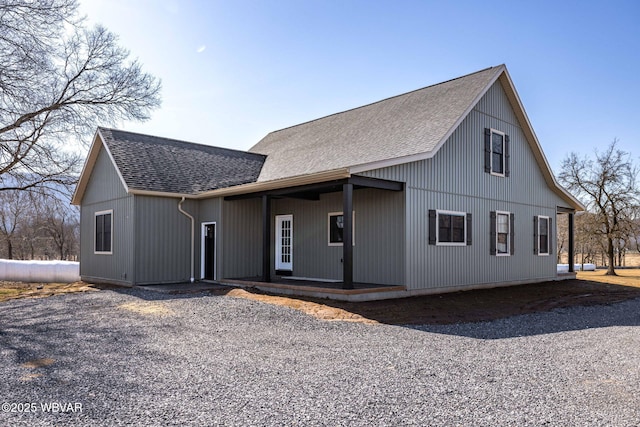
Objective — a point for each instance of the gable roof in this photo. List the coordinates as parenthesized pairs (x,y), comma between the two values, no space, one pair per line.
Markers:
(401,129)
(151,164)
(413,123)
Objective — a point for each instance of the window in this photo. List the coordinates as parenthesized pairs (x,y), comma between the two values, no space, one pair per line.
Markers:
(541,235)
(448,228)
(496,152)
(502,233)
(103,236)
(336,228)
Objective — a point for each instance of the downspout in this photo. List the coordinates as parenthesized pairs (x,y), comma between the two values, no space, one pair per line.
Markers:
(192,232)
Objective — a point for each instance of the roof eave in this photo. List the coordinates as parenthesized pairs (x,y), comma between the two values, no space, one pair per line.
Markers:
(153,193)
(254,187)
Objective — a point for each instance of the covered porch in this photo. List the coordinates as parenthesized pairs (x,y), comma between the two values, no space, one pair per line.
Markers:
(313,254)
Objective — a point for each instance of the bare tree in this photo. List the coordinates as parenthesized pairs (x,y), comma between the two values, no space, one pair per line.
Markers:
(607,186)
(58,80)
(38,225)
(59,222)
(13,206)
(590,241)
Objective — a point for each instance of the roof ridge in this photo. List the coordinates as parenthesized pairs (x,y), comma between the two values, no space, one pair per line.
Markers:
(180,141)
(384,99)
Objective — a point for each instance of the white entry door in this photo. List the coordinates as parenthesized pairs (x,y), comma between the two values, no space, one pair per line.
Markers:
(284,242)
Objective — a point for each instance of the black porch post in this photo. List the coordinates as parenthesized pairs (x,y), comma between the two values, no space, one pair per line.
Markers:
(347,236)
(266,238)
(571,259)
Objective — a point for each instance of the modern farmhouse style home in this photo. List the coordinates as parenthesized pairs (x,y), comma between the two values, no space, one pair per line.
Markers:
(436,190)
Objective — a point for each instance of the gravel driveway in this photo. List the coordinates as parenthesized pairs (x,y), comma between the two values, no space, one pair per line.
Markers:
(132,357)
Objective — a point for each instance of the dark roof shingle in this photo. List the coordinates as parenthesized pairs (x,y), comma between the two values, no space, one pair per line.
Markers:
(152,163)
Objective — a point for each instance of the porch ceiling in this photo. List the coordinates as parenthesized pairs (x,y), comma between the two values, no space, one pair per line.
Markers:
(313,191)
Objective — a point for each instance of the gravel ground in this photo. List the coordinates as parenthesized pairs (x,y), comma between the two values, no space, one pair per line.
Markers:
(132,357)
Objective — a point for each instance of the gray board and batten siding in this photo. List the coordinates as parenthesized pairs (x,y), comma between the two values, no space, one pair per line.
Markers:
(378,253)
(242,238)
(163,239)
(125,173)
(142,178)
(150,238)
(106,192)
(455,180)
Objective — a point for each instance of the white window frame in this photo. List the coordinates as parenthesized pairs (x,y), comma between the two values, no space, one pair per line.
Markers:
(95,216)
(540,253)
(353,228)
(508,215)
(443,212)
(504,157)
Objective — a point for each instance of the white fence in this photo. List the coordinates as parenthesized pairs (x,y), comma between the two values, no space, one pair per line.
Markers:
(39,271)
(564,268)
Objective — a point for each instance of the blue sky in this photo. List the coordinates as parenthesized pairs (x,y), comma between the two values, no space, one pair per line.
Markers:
(235,70)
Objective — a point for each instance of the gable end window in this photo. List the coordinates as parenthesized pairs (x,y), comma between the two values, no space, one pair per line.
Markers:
(542,235)
(448,228)
(103,234)
(336,228)
(502,226)
(496,152)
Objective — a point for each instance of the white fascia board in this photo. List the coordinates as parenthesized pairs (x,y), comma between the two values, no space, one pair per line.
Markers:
(538,147)
(106,148)
(161,194)
(254,187)
(87,167)
(89,163)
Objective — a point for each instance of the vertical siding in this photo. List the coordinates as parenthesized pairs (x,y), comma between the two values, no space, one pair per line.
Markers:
(163,237)
(242,238)
(454,179)
(378,254)
(105,192)
(379,236)
(104,183)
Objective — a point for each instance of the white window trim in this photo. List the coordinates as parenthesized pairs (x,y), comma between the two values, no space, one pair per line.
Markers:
(203,229)
(504,159)
(508,214)
(548,236)
(463,215)
(353,231)
(95,215)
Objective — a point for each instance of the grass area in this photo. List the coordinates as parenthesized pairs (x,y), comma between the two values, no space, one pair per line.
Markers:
(625,277)
(14,290)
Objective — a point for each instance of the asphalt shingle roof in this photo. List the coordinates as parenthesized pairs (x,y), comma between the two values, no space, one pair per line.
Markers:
(404,125)
(153,163)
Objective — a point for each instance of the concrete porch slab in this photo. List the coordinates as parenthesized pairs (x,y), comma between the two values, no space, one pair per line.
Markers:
(318,289)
